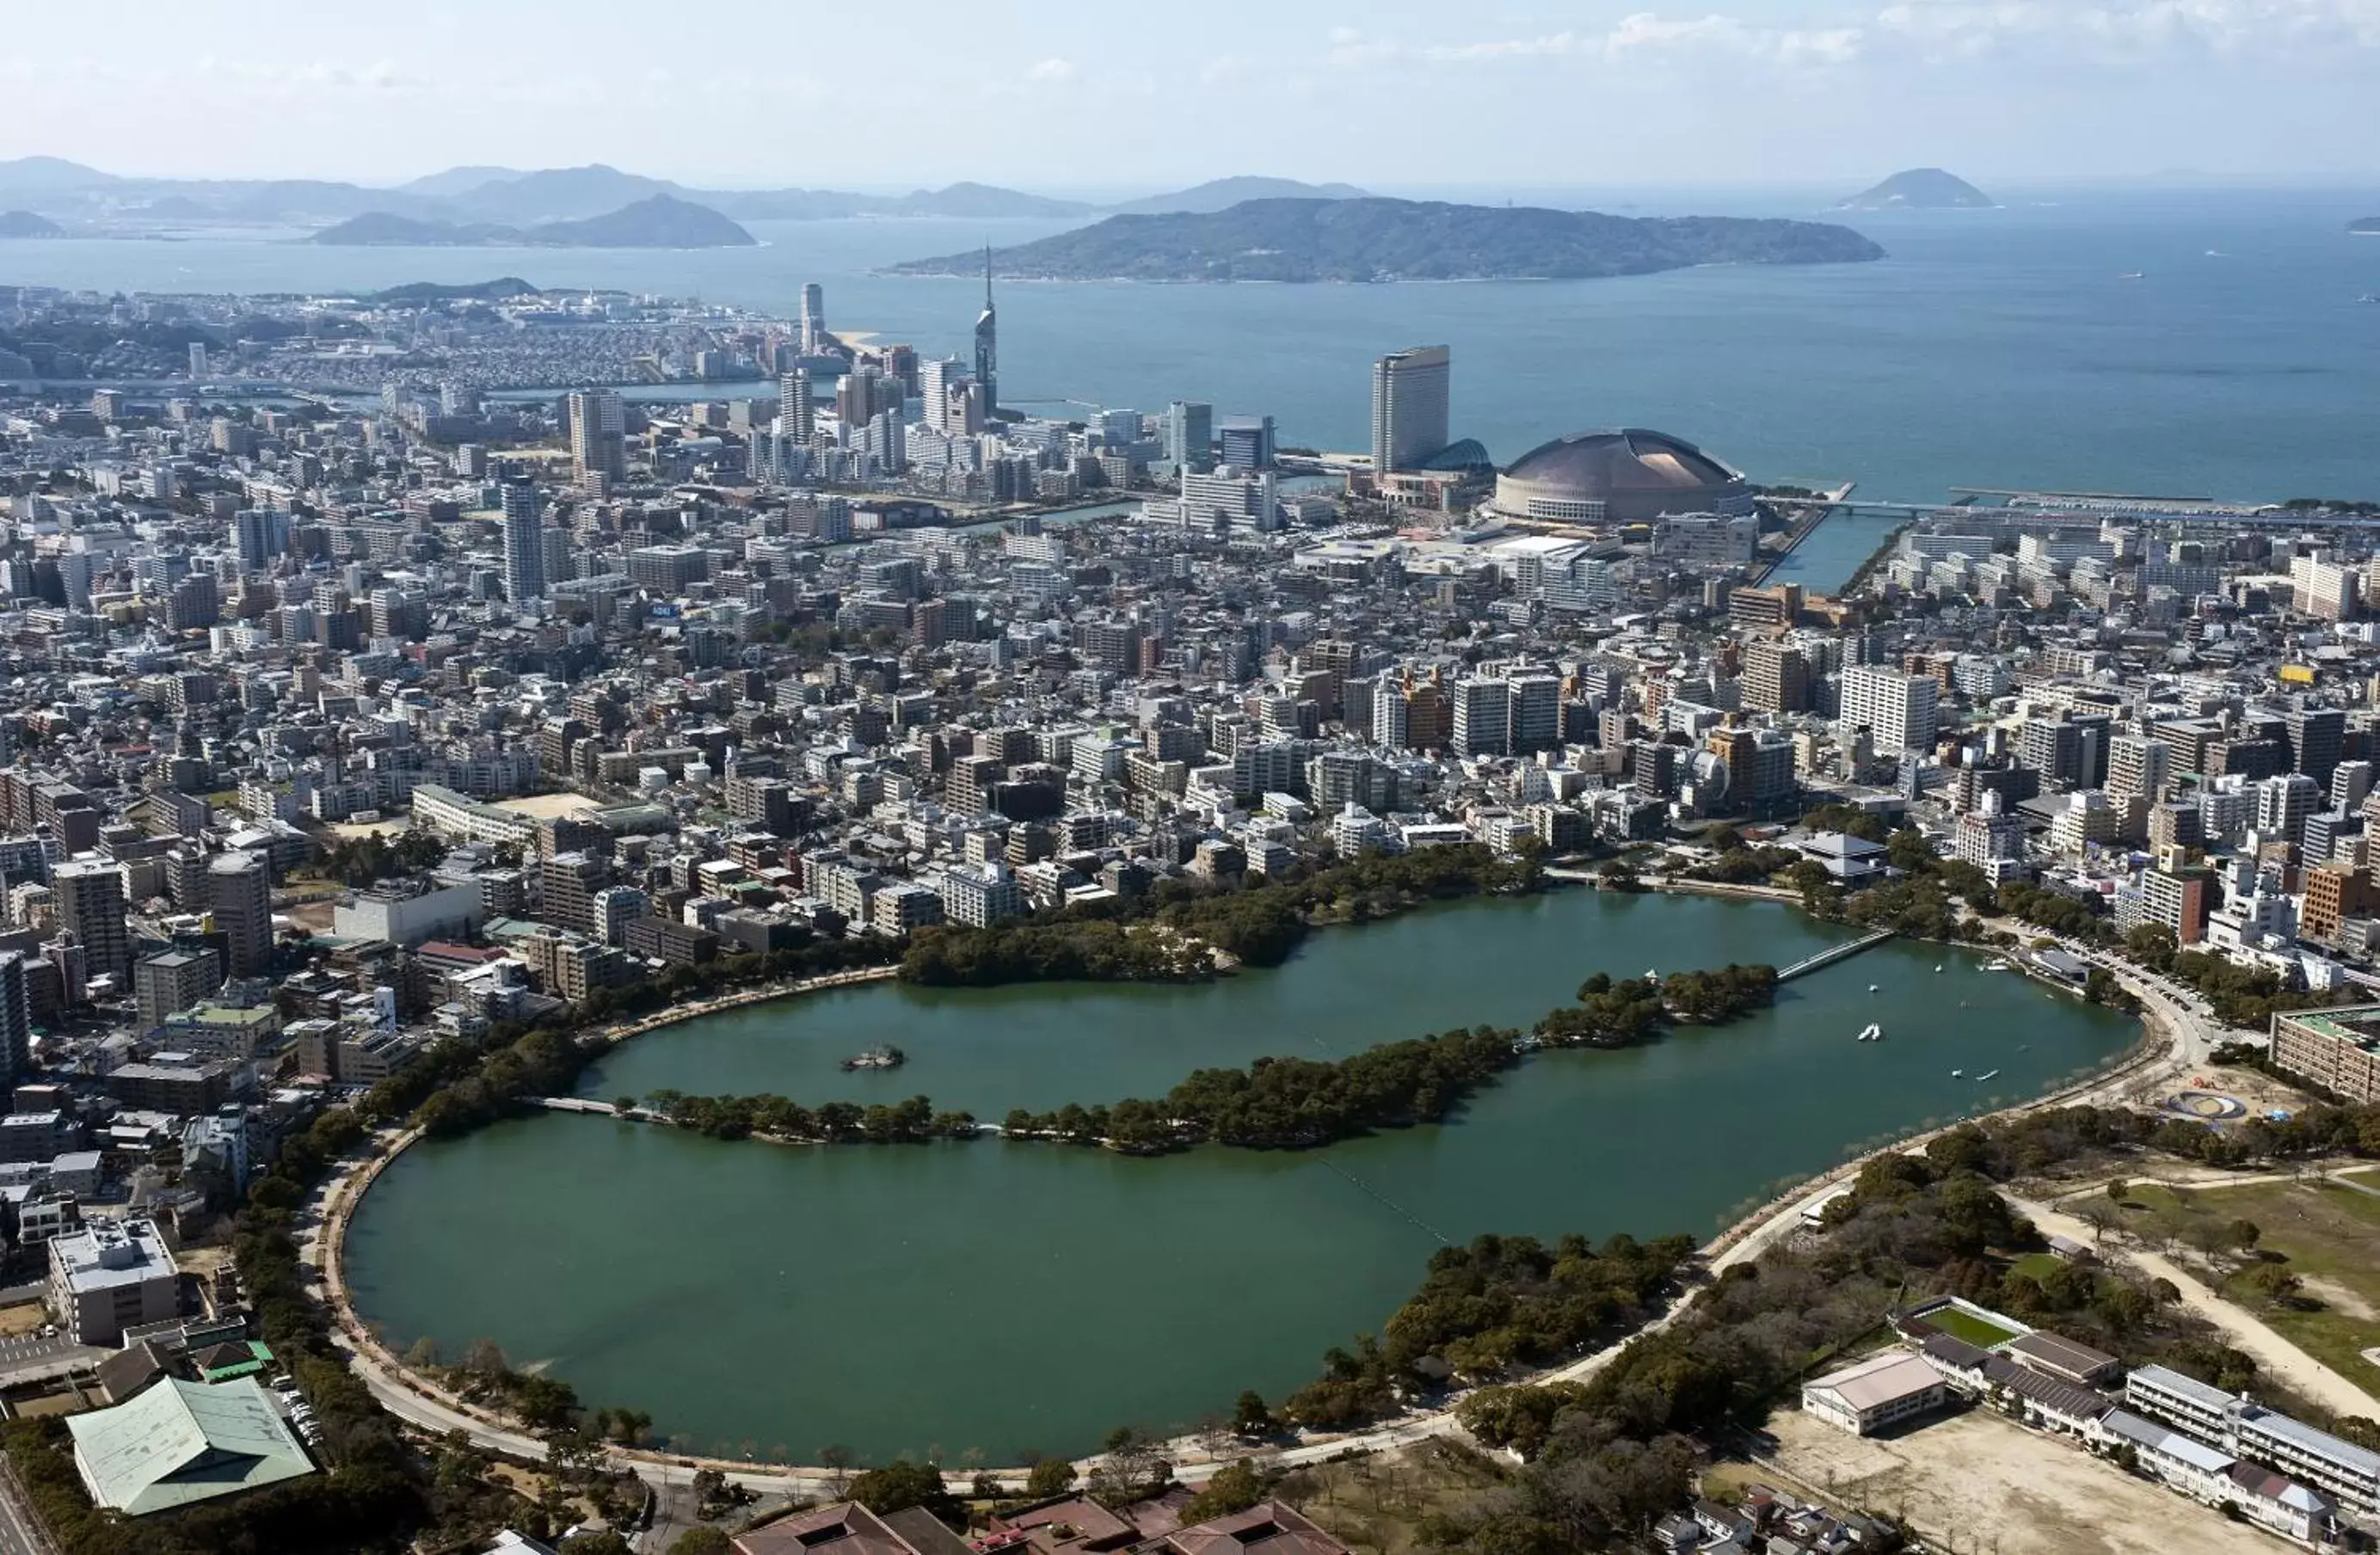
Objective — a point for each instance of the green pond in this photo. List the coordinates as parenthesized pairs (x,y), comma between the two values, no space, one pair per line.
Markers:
(1021,1298)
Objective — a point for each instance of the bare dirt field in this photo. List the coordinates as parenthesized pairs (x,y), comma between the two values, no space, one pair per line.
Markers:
(1977,1481)
(544,806)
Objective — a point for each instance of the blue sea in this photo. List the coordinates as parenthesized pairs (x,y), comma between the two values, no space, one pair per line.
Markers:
(2001,347)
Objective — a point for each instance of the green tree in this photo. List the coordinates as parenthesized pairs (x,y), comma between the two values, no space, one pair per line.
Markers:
(701,1539)
(899,1485)
(1252,1417)
(1050,1476)
(1235,1488)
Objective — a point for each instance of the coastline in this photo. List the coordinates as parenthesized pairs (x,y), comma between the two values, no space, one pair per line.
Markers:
(2161,1051)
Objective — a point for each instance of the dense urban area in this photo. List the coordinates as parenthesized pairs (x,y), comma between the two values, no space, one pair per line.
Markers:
(403,706)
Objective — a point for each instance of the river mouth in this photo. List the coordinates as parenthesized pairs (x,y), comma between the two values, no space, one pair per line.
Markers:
(1011,1299)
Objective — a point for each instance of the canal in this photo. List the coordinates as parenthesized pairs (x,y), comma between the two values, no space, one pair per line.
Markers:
(1827,556)
(1017,1298)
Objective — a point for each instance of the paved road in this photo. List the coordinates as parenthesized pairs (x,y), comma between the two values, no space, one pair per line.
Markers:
(21,1529)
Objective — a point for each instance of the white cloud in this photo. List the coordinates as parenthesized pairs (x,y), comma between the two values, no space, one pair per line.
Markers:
(1052,71)
(2119,30)
(1642,37)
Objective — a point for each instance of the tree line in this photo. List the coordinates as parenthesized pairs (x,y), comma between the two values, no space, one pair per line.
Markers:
(1253,919)
(1298,1103)
(831,1123)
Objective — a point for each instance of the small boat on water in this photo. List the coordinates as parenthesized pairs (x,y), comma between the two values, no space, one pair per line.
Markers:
(1937,966)
(1987,1075)
(2134,275)
(885,1057)
(1873,1034)
(1871,988)
(1957,1074)
(1997,966)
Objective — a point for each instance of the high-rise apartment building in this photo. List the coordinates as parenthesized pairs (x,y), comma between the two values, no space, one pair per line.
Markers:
(524,546)
(599,434)
(15,1017)
(814,336)
(1410,392)
(1775,677)
(1897,709)
(796,413)
(2139,768)
(240,894)
(90,899)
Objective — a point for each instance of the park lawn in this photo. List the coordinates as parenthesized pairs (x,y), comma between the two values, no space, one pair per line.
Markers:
(1966,1326)
(2037,1265)
(2330,1234)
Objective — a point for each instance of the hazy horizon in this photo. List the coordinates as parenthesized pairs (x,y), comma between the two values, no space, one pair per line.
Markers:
(1396,95)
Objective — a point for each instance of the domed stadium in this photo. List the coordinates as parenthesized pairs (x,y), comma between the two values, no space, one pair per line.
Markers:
(1627,477)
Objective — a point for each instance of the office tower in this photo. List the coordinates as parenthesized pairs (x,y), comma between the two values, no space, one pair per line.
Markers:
(2316,735)
(524,549)
(1249,442)
(1897,709)
(239,894)
(198,370)
(599,434)
(813,319)
(1409,407)
(796,413)
(936,379)
(1190,434)
(987,342)
(90,899)
(858,397)
(16,1012)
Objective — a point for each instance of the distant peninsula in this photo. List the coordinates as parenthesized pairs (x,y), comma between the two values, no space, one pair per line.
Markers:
(1375,239)
(661,222)
(467,291)
(25,223)
(1921,188)
(2368,226)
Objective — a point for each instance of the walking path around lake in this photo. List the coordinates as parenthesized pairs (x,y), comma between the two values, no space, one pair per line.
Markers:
(2174,1042)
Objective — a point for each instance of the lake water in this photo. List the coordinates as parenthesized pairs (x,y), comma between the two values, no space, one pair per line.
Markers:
(1021,1298)
(1993,348)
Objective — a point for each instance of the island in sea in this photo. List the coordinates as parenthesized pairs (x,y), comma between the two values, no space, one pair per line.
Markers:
(1921,188)
(1221,194)
(1376,239)
(2367,227)
(25,223)
(660,222)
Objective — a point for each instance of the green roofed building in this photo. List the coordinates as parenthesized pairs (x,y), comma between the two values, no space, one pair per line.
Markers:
(181,1442)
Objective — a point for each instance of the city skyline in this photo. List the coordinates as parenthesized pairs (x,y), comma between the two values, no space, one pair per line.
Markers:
(1815,91)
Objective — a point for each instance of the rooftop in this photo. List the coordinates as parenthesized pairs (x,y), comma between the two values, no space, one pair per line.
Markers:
(181,1442)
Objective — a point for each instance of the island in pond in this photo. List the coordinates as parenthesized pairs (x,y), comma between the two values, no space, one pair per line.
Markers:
(660,222)
(1375,239)
(1921,188)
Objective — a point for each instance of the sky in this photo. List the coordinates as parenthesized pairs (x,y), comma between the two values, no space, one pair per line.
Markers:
(1047,96)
